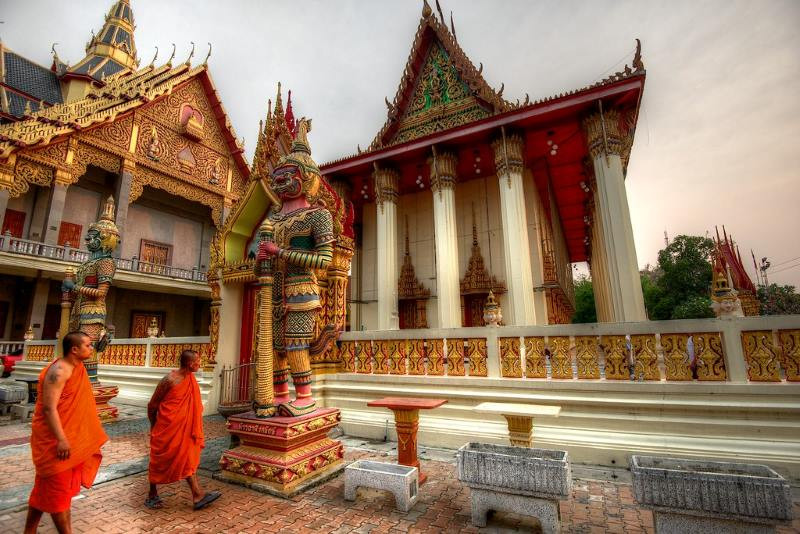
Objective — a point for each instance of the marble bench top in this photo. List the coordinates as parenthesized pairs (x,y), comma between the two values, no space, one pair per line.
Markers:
(510,408)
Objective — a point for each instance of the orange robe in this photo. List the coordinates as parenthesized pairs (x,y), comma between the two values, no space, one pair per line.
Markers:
(177,437)
(57,481)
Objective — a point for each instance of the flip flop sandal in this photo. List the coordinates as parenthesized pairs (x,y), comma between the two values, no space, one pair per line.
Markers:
(207,499)
(154,503)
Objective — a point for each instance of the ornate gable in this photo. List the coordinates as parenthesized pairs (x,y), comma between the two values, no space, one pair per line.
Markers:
(440,88)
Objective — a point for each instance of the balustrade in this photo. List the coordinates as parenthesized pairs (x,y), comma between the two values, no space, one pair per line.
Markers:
(138,352)
(27,247)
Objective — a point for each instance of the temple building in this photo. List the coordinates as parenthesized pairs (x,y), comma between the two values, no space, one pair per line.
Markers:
(463,191)
(156,138)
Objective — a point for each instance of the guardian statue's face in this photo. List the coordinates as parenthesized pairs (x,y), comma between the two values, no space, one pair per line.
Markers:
(93,240)
(287,182)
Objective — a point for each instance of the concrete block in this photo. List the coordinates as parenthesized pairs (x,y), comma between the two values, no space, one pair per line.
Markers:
(545,510)
(23,411)
(401,480)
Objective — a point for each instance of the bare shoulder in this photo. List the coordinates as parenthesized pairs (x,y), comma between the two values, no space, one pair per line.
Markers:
(60,371)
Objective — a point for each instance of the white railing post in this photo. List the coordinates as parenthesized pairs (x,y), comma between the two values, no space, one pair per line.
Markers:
(492,354)
(732,347)
(148,352)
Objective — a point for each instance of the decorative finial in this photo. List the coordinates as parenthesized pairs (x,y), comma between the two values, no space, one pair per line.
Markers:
(358,147)
(527,99)
(153,62)
(480,67)
(55,54)
(638,64)
(188,61)
(108,209)
(426,9)
(439,9)
(27,110)
(205,61)
(453,26)
(169,61)
(502,88)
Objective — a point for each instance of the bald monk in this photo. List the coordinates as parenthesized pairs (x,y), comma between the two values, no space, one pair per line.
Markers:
(176,433)
(66,435)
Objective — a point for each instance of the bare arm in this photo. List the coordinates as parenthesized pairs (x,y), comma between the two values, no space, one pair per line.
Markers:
(158,396)
(54,382)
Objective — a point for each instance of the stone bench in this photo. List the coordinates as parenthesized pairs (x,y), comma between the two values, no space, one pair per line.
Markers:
(401,480)
(714,497)
(515,479)
(23,411)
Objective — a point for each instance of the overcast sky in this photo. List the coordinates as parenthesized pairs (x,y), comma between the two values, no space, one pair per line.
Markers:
(718,135)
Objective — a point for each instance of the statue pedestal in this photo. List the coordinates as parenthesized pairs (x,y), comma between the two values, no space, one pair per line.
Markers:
(102,394)
(282,456)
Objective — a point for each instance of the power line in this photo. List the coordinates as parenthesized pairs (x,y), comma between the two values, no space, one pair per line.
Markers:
(787,261)
(785,268)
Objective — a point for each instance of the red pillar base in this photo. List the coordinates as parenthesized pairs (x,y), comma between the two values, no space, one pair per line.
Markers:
(282,455)
(103,394)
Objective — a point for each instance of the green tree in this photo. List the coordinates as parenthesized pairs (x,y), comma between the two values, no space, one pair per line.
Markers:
(778,300)
(683,278)
(585,311)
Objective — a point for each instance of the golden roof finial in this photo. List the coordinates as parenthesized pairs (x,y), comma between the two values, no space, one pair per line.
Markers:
(426,9)
(278,110)
(169,61)
(152,63)
(439,9)
(205,61)
(27,110)
(638,64)
(188,61)
(56,60)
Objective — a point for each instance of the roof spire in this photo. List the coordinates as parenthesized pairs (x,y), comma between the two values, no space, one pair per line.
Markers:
(426,9)
(278,103)
(291,124)
(439,9)
(113,49)
(452,26)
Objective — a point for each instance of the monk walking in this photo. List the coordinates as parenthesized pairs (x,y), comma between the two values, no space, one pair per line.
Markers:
(66,435)
(176,433)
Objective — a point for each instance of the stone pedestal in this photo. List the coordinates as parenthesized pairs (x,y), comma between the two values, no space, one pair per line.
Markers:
(103,394)
(282,456)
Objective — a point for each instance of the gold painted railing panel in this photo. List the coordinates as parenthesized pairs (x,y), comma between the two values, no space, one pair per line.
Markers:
(347,353)
(476,355)
(677,360)
(127,354)
(790,350)
(510,359)
(645,359)
(761,356)
(709,357)
(381,357)
(586,357)
(436,357)
(535,358)
(416,356)
(397,357)
(617,357)
(40,353)
(560,357)
(364,357)
(455,357)
(169,354)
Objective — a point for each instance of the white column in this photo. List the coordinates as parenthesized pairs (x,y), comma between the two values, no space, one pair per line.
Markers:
(606,145)
(508,152)
(443,181)
(386,181)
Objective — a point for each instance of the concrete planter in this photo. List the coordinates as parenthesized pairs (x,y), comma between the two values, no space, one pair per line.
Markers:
(515,479)
(710,496)
(400,480)
(521,470)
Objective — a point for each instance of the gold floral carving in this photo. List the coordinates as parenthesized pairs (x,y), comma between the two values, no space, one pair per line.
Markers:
(144,175)
(381,357)
(508,156)
(676,356)
(616,351)
(386,182)
(416,356)
(645,358)
(560,357)
(410,288)
(125,354)
(168,354)
(790,345)
(476,356)
(40,353)
(364,357)
(455,357)
(605,133)
(709,357)
(535,357)
(477,278)
(28,173)
(761,356)
(115,135)
(586,357)
(397,356)
(435,353)
(87,155)
(510,364)
(443,171)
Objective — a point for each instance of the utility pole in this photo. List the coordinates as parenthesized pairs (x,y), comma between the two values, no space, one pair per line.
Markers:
(764,266)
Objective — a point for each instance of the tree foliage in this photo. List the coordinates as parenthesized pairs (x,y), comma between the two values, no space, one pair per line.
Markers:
(683,281)
(778,300)
(585,311)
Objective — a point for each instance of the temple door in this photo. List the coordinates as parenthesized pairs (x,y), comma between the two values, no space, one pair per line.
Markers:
(154,256)
(14,223)
(140,322)
(52,319)
(473,309)
(408,314)
(69,234)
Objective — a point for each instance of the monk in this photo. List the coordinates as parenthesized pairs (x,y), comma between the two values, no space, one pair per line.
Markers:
(176,433)
(66,435)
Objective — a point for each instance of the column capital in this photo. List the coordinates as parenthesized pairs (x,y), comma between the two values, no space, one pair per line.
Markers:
(128,165)
(604,134)
(443,171)
(508,155)
(64,178)
(386,182)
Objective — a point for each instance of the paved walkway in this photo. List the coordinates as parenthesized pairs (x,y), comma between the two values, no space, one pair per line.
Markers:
(115,503)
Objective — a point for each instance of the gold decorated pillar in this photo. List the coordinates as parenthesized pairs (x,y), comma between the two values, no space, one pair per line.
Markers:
(508,159)
(443,181)
(606,143)
(386,182)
